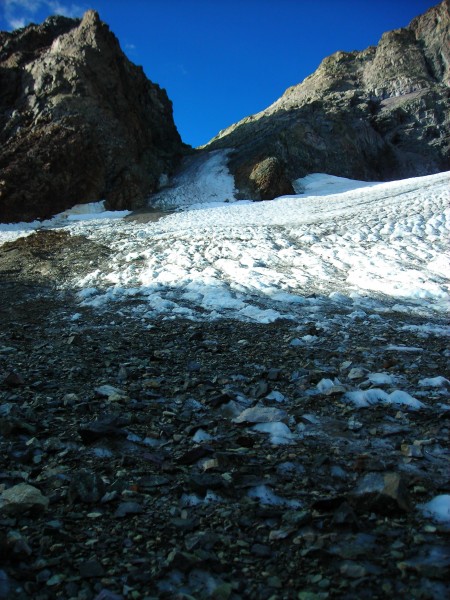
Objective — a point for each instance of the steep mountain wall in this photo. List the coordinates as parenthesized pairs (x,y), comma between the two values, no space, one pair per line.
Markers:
(379,114)
(78,121)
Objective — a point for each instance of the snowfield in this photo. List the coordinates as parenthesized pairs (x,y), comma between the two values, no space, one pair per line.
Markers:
(377,246)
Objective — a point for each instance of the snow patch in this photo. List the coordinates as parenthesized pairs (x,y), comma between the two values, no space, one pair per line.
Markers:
(367,247)
(365,398)
(265,495)
(204,180)
(279,432)
(438,508)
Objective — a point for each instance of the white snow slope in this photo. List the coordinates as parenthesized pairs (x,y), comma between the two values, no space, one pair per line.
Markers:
(361,245)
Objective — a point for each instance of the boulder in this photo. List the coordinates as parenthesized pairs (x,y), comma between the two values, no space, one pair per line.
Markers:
(268,179)
(21,499)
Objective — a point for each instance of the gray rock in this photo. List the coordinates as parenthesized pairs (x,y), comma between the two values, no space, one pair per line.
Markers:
(378,114)
(86,487)
(98,127)
(5,585)
(106,391)
(108,595)
(14,379)
(268,179)
(128,508)
(433,561)
(382,493)
(91,568)
(22,498)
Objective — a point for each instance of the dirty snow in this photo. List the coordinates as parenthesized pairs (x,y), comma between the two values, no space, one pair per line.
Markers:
(369,247)
(200,182)
(92,211)
(363,399)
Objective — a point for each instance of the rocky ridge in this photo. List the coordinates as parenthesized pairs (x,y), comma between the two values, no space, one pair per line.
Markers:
(78,121)
(379,114)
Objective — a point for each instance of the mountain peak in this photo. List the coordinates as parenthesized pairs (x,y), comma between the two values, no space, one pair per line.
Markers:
(78,121)
(381,113)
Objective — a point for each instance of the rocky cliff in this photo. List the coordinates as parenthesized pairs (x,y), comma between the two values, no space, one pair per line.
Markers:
(78,121)
(379,114)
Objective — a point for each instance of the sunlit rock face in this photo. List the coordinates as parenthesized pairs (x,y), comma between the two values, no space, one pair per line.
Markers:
(379,114)
(78,121)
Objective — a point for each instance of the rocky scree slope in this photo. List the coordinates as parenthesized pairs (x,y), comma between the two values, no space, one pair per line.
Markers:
(78,121)
(138,460)
(379,114)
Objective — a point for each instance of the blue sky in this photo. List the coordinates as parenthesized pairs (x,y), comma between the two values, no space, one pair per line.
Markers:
(221,60)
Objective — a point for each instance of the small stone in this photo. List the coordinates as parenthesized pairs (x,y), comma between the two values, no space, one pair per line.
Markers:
(345,515)
(297,517)
(210,464)
(14,379)
(153,481)
(86,487)
(411,450)
(5,585)
(16,546)
(43,576)
(276,395)
(273,374)
(101,428)
(353,570)
(382,493)
(260,389)
(274,582)
(70,399)
(91,568)
(184,561)
(56,579)
(433,561)
(356,373)
(106,391)
(201,482)
(195,454)
(262,414)
(128,508)
(261,550)
(22,498)
(7,350)
(107,595)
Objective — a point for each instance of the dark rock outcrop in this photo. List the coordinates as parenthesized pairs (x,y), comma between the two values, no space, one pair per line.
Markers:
(268,179)
(379,114)
(78,121)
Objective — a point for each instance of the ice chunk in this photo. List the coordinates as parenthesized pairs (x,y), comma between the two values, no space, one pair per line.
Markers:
(324,385)
(404,399)
(381,378)
(277,396)
(265,495)
(201,436)
(438,508)
(434,382)
(366,398)
(279,432)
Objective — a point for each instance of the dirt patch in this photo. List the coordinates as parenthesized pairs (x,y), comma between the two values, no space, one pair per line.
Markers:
(147,215)
(47,257)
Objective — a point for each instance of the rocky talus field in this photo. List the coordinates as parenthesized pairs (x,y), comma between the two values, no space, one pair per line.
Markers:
(142,462)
